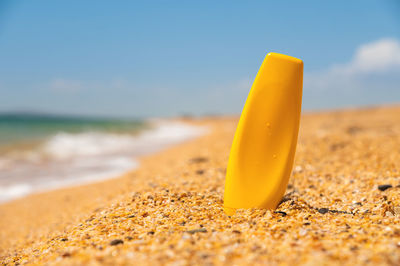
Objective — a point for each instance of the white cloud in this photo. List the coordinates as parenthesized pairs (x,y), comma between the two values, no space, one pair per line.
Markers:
(65,85)
(229,96)
(378,56)
(72,86)
(378,60)
(372,76)
(375,57)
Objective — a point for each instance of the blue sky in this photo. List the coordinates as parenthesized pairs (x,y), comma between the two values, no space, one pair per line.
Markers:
(165,58)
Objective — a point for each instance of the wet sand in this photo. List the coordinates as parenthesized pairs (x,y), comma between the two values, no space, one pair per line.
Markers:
(342,205)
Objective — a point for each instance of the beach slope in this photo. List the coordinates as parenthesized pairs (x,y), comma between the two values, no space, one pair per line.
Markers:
(342,205)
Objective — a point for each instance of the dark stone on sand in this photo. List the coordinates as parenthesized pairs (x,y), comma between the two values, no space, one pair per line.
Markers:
(200,230)
(116,242)
(131,216)
(151,233)
(342,212)
(384,187)
(64,239)
(337,146)
(200,172)
(198,160)
(236,232)
(323,210)
(281,212)
(66,254)
(353,130)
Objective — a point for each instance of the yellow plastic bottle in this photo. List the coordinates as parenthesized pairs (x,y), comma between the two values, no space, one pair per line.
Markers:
(263,149)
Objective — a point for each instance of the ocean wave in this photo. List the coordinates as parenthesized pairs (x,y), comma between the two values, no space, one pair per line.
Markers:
(68,159)
(68,145)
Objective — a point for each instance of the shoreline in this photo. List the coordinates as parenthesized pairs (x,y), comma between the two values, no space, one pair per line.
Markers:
(72,159)
(169,210)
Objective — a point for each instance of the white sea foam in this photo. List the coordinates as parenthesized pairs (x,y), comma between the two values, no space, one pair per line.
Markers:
(68,159)
(14,191)
(66,145)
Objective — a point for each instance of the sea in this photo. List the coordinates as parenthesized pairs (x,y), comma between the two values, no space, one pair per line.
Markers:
(43,152)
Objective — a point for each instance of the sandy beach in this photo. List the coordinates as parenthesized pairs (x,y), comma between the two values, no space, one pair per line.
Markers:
(342,205)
